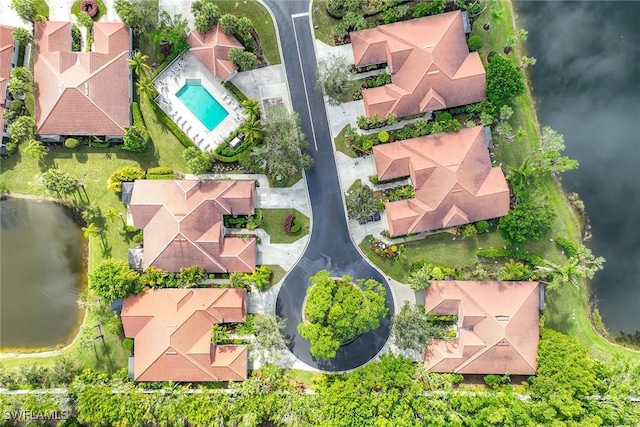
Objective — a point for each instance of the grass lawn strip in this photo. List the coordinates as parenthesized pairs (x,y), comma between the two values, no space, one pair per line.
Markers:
(272,224)
(261,19)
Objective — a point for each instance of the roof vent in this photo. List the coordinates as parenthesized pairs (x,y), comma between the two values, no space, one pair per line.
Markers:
(432,72)
(502,318)
(428,46)
(86,88)
(503,343)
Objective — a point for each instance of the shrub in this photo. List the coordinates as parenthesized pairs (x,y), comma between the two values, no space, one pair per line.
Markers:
(160,170)
(90,7)
(482,226)
(383,136)
(570,248)
(235,92)
(494,381)
(127,343)
(127,173)
(137,114)
(475,43)
(532,259)
(16,105)
(71,143)
(288,222)
(295,226)
(469,231)
(374,179)
(443,117)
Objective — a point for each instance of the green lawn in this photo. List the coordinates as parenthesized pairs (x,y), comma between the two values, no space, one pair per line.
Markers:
(272,224)
(42,8)
(341,144)
(323,22)
(278,273)
(262,21)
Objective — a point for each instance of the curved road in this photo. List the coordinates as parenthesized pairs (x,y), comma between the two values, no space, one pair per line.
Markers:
(330,247)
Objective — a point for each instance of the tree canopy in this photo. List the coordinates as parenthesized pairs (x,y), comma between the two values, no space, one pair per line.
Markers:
(361,202)
(334,79)
(113,279)
(59,182)
(338,310)
(531,219)
(504,81)
(283,151)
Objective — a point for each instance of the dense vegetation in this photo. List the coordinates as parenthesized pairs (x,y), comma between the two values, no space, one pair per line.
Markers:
(338,310)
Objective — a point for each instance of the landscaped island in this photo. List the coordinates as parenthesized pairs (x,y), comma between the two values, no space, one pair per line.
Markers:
(338,310)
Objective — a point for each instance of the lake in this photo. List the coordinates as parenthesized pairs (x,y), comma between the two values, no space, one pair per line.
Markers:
(587,84)
(42,272)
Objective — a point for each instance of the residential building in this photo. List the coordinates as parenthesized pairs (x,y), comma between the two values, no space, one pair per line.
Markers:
(212,49)
(453,179)
(429,62)
(173,338)
(497,327)
(82,93)
(183,224)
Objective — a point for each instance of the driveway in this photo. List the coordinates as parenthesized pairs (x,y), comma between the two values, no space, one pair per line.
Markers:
(330,246)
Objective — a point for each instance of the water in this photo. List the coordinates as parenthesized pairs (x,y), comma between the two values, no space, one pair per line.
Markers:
(587,83)
(202,104)
(41,275)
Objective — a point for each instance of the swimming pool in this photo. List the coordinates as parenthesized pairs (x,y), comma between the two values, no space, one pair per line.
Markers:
(202,104)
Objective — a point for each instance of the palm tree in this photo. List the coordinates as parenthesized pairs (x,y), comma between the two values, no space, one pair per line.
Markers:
(219,334)
(420,278)
(496,16)
(514,271)
(253,129)
(145,87)
(113,213)
(138,63)
(91,230)
(251,107)
(35,149)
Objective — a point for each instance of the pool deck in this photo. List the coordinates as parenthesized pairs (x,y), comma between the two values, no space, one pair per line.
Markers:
(173,78)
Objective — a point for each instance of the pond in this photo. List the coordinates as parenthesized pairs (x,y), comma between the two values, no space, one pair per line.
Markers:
(42,271)
(587,83)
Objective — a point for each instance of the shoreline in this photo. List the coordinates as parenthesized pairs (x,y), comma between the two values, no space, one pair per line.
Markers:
(585,288)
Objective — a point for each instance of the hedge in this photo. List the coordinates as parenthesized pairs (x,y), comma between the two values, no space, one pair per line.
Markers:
(532,259)
(137,114)
(570,248)
(225,154)
(160,170)
(237,93)
(170,124)
(160,176)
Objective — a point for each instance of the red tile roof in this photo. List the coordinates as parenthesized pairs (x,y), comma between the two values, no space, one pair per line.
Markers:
(182,222)
(429,61)
(82,93)
(498,328)
(172,331)
(6,55)
(453,179)
(212,49)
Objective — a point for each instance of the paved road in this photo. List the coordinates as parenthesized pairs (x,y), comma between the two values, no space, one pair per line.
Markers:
(330,247)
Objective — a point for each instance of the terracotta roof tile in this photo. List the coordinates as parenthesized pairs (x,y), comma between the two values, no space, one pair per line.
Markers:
(498,327)
(212,49)
(182,222)
(424,54)
(452,177)
(82,93)
(172,331)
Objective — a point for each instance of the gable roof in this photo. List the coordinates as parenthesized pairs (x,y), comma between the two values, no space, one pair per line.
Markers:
(182,222)
(212,49)
(172,331)
(430,64)
(498,328)
(6,56)
(82,93)
(452,177)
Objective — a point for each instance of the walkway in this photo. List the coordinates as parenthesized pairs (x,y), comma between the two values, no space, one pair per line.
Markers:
(330,246)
